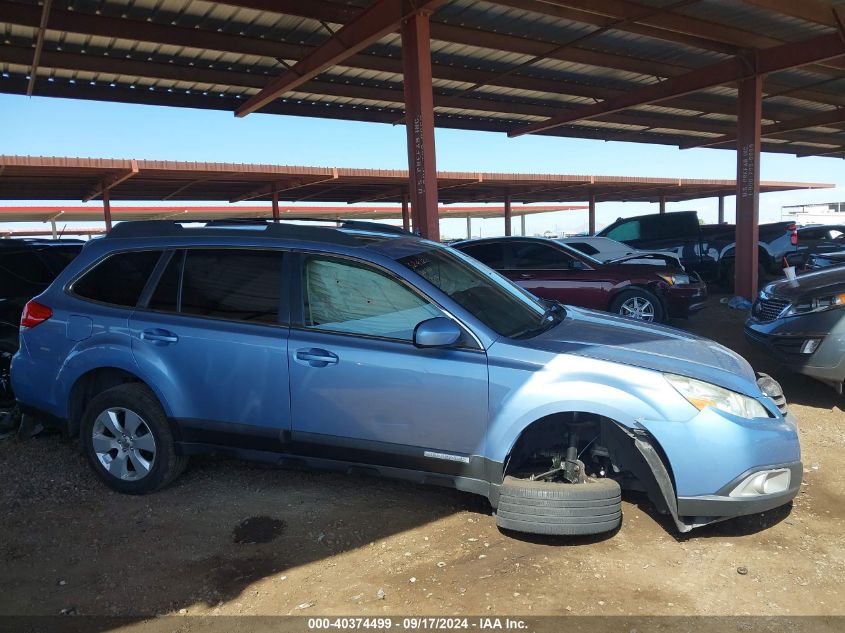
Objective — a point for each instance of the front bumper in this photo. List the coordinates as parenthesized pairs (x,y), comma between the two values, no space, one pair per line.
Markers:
(681,301)
(702,509)
(784,338)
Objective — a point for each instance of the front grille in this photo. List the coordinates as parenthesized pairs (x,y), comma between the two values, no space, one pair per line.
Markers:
(769,309)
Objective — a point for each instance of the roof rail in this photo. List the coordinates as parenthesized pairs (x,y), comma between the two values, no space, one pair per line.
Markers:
(354,225)
(174,228)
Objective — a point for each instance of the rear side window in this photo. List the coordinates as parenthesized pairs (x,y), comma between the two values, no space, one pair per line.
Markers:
(585,248)
(233,284)
(533,256)
(490,254)
(118,279)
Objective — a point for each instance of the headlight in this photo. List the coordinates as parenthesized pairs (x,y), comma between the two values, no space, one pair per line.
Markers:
(806,305)
(674,280)
(702,394)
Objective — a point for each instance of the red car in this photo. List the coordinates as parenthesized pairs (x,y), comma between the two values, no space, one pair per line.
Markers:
(552,270)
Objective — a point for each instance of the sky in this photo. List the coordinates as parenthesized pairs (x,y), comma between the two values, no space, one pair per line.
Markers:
(64,127)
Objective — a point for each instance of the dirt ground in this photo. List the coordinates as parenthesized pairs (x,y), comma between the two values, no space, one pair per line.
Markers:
(239,538)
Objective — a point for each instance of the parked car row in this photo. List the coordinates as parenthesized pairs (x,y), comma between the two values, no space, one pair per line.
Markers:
(369,350)
(555,270)
(708,250)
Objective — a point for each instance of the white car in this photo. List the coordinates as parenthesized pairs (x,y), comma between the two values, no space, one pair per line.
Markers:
(607,250)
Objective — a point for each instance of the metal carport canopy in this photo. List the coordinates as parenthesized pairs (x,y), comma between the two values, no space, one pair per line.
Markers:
(496,65)
(65,178)
(749,75)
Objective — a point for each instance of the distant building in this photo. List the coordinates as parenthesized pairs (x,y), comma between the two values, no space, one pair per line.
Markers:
(817,213)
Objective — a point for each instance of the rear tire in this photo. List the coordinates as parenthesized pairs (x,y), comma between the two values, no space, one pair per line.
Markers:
(126,437)
(542,507)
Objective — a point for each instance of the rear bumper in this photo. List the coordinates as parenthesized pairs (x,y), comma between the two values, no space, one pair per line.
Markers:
(708,508)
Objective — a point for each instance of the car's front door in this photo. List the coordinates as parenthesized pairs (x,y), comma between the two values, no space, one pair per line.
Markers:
(361,391)
(211,337)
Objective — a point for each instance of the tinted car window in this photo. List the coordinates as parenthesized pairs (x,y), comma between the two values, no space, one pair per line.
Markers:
(501,305)
(625,232)
(491,254)
(118,279)
(229,284)
(341,296)
(531,255)
(585,248)
(166,295)
(22,274)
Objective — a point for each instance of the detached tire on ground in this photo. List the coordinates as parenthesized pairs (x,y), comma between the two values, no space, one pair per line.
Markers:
(543,507)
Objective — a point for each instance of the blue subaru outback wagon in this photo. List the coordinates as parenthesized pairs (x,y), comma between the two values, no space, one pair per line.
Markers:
(366,349)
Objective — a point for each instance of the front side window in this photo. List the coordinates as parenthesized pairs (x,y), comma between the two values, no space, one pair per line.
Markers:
(501,305)
(346,297)
(118,279)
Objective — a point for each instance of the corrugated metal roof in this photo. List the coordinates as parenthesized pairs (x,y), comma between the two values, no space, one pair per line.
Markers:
(496,63)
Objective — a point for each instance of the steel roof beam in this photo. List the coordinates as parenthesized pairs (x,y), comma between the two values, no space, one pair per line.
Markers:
(39,45)
(110,182)
(290,185)
(832,118)
(809,10)
(380,19)
(781,57)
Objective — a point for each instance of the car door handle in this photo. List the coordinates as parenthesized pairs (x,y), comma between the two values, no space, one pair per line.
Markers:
(159,337)
(526,276)
(316,357)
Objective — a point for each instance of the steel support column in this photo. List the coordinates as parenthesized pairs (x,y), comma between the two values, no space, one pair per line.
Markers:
(721,209)
(419,123)
(53,230)
(406,213)
(662,204)
(275,202)
(508,214)
(522,222)
(107,208)
(749,113)
(469,227)
(591,214)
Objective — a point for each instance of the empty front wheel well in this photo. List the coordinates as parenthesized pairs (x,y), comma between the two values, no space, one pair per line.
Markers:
(89,385)
(606,447)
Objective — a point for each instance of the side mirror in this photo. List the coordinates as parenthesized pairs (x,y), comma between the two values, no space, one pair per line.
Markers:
(437,332)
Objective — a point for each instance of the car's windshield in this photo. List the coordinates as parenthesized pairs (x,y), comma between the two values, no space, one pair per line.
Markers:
(489,297)
(583,252)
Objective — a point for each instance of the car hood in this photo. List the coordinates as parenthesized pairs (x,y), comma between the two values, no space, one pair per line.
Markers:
(668,350)
(825,281)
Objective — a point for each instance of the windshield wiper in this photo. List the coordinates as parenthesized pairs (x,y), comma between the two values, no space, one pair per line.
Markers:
(552,316)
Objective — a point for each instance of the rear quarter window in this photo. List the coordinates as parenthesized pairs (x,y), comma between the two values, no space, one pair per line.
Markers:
(119,279)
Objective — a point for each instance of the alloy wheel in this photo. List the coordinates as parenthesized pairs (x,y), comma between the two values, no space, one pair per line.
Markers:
(638,308)
(123,443)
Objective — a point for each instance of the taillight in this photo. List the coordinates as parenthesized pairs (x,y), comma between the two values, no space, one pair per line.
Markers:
(793,234)
(35,313)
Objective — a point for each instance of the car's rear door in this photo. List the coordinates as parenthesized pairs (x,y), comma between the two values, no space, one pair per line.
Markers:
(212,336)
(361,391)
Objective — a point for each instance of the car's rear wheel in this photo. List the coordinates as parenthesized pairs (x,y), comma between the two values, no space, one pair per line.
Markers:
(638,304)
(126,437)
(548,507)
